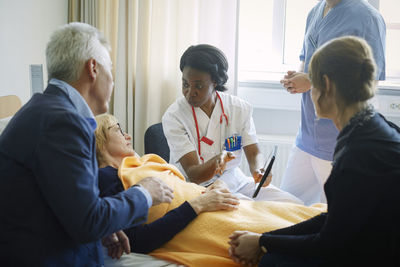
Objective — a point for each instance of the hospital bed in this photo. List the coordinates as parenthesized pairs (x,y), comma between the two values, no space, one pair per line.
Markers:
(204,239)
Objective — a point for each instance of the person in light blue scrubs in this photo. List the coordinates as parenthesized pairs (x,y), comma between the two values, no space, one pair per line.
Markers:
(309,163)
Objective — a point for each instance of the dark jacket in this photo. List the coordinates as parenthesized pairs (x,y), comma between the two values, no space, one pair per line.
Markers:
(363,193)
(51,212)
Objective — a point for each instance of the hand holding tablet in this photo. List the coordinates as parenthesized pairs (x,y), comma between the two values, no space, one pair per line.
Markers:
(267,172)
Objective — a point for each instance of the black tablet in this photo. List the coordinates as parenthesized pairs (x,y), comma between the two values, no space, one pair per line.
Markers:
(267,171)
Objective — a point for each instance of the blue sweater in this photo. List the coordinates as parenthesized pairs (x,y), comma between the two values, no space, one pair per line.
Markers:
(147,237)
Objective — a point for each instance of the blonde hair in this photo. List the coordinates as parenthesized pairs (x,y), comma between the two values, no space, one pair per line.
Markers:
(349,64)
(104,121)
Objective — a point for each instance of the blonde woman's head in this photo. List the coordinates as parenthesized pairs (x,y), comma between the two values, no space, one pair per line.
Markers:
(112,144)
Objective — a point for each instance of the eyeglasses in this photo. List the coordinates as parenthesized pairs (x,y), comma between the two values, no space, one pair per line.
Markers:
(119,128)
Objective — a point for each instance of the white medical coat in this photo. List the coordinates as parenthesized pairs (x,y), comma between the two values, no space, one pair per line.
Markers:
(180,129)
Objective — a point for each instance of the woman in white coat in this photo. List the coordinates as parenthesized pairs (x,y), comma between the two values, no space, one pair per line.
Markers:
(208,130)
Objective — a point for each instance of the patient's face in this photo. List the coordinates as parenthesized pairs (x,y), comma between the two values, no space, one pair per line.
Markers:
(119,144)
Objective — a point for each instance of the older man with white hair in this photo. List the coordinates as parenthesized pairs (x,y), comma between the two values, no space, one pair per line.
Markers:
(51,212)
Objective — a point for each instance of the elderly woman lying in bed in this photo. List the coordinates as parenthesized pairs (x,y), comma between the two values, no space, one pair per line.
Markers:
(183,231)
(112,146)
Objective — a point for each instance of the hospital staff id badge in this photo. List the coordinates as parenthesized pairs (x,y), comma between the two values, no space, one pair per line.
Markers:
(233,144)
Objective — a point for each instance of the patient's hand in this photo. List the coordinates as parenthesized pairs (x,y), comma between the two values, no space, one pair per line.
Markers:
(244,248)
(159,190)
(216,199)
(116,244)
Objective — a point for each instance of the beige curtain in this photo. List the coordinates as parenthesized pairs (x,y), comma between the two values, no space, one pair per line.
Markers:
(102,14)
(147,38)
(83,11)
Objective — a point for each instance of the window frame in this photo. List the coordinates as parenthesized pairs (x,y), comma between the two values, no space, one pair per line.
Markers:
(271,77)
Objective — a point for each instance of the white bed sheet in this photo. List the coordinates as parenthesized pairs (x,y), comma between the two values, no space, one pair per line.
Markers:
(136,260)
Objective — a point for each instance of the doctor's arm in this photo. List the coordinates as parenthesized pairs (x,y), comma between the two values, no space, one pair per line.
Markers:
(198,172)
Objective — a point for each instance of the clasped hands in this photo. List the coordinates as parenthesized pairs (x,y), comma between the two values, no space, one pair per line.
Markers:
(244,248)
(296,82)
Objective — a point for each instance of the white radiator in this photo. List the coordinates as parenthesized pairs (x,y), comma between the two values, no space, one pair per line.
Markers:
(266,144)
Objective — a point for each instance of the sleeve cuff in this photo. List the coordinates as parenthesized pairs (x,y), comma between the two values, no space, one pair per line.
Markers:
(188,209)
(145,193)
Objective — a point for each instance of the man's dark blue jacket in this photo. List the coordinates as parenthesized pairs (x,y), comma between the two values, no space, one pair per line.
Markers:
(50,210)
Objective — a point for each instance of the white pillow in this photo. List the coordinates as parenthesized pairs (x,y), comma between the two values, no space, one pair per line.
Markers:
(3,123)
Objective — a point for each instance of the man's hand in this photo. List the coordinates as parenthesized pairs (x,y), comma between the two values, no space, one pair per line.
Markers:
(296,82)
(116,244)
(159,190)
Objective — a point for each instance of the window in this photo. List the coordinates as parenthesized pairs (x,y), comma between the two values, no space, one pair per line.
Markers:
(390,11)
(296,12)
(271,34)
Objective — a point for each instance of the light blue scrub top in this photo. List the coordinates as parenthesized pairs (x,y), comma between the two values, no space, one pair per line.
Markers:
(350,17)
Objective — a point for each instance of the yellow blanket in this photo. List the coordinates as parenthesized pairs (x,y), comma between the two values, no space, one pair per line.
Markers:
(204,241)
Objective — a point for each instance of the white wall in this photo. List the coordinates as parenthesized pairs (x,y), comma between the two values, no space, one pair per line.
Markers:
(25,28)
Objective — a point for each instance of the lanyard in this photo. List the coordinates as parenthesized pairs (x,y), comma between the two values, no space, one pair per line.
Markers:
(204,139)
